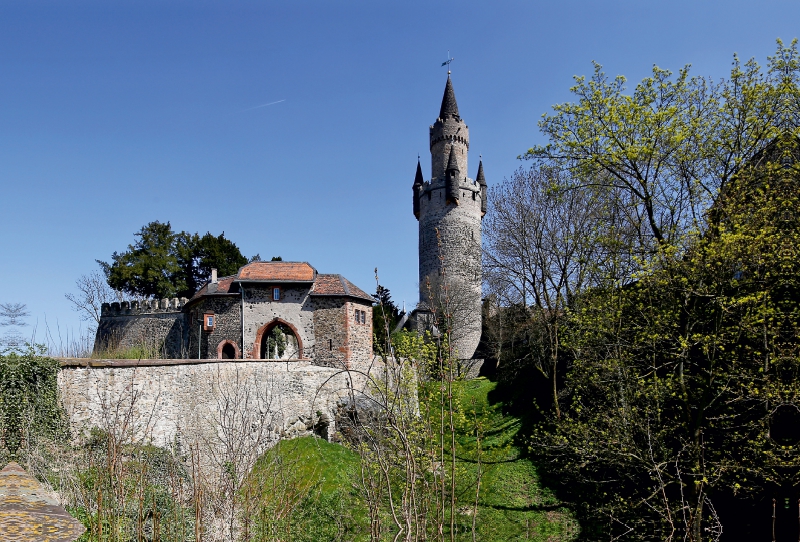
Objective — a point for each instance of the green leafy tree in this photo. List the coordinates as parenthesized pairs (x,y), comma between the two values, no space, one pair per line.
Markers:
(197,256)
(150,265)
(162,263)
(385,314)
(683,390)
(658,156)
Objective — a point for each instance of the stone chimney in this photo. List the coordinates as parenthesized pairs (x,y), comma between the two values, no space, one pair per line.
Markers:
(212,285)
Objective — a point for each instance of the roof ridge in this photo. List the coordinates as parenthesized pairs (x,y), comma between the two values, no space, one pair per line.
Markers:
(344,281)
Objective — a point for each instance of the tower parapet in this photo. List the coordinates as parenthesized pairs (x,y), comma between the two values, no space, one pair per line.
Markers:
(152,325)
(146,306)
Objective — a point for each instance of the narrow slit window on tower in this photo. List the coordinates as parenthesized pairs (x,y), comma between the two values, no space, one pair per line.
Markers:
(330,344)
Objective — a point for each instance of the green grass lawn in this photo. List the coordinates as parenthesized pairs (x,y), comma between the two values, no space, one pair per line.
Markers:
(512,504)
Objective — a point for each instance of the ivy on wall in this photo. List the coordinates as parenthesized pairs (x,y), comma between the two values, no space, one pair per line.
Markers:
(29,405)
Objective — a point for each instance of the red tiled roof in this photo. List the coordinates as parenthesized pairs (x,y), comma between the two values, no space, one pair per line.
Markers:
(276,272)
(356,291)
(337,285)
(327,285)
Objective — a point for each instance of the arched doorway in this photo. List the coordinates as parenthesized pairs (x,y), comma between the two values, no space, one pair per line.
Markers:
(227,350)
(278,340)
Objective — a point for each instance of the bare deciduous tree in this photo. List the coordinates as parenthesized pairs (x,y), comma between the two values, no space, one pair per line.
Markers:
(93,291)
(12,317)
(540,253)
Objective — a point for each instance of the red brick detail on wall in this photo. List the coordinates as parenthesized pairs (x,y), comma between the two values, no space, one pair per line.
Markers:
(221,345)
(347,316)
(256,352)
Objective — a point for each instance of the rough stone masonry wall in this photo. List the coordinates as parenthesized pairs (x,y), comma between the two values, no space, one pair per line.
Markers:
(359,335)
(443,136)
(169,401)
(341,340)
(228,319)
(157,326)
(459,229)
(294,307)
(330,332)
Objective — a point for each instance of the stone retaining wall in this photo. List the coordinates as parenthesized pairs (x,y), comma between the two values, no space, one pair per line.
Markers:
(185,401)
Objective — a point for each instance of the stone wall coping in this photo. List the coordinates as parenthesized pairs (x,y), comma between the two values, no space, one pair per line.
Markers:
(99,363)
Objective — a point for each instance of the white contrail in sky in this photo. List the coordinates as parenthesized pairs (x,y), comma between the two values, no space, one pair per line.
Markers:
(262,105)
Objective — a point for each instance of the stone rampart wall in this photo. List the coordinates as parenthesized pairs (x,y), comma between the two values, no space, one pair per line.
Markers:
(228,317)
(186,401)
(155,334)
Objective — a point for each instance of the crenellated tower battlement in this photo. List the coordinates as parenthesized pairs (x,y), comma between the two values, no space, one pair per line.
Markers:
(147,306)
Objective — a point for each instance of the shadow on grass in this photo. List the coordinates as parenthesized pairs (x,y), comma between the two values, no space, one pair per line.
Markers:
(525,395)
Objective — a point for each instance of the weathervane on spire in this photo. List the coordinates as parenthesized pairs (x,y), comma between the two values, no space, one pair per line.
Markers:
(447,62)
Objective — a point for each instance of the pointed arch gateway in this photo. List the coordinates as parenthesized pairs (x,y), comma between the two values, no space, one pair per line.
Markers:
(260,345)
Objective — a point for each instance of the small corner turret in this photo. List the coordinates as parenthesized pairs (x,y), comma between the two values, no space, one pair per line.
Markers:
(452,178)
(417,188)
(481,180)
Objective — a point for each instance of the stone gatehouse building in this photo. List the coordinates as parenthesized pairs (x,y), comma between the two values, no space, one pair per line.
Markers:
(268,310)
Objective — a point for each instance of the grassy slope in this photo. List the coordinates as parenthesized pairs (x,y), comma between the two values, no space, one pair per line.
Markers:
(512,504)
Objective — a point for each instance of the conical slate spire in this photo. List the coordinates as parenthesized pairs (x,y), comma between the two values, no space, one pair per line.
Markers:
(452,163)
(449,106)
(418,180)
(481,179)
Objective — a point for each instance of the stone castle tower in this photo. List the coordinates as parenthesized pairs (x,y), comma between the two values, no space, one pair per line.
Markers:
(450,207)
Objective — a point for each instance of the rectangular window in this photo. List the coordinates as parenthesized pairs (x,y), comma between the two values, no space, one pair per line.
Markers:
(363,317)
(210,321)
(358,316)
(330,344)
(276,294)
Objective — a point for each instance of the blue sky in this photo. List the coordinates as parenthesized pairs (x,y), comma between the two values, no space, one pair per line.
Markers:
(114,114)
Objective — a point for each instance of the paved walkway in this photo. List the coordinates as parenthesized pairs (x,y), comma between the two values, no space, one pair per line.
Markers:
(29,514)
